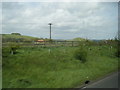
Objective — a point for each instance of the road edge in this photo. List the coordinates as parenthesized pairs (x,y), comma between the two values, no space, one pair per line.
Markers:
(100,78)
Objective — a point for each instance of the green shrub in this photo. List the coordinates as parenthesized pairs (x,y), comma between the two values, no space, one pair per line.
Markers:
(117,53)
(13,47)
(5,51)
(81,54)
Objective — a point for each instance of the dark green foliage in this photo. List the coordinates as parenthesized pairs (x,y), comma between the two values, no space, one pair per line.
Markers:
(117,53)
(5,51)
(5,54)
(12,49)
(15,33)
(117,47)
(81,54)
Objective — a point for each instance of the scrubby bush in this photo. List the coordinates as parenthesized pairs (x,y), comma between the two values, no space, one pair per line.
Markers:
(13,47)
(5,51)
(117,53)
(81,54)
(117,47)
(10,49)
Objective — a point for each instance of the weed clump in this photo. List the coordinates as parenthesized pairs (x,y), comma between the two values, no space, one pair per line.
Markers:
(117,53)
(11,49)
(5,51)
(81,54)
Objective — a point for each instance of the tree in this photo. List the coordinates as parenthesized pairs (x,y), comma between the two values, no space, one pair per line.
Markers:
(15,33)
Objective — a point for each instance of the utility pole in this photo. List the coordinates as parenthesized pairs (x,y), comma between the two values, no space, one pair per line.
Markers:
(50,29)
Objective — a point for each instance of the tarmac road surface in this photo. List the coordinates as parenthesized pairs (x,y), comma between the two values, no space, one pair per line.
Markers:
(108,82)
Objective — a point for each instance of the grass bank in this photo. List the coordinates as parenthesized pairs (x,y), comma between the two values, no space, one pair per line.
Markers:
(56,67)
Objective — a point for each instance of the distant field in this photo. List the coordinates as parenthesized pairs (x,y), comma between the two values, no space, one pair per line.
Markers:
(35,67)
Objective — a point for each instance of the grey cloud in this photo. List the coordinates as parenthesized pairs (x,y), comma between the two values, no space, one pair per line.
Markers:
(69,19)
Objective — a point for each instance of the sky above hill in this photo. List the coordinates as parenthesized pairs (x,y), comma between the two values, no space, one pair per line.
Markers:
(91,20)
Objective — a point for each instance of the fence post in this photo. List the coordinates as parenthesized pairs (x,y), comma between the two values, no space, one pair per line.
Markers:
(64,42)
(72,43)
(44,43)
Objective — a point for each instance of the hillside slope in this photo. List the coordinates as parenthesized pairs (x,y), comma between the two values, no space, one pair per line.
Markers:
(10,37)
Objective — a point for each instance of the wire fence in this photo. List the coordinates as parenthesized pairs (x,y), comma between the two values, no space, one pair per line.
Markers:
(47,43)
(58,43)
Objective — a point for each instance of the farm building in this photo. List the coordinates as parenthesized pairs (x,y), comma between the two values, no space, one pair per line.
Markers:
(40,41)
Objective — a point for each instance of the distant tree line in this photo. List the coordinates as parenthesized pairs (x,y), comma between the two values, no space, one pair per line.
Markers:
(15,33)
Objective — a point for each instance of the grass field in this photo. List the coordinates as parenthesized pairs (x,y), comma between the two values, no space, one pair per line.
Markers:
(36,67)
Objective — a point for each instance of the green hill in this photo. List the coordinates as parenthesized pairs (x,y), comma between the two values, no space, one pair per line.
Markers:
(77,39)
(13,37)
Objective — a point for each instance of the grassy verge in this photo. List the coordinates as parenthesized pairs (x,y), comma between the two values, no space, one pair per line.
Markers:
(56,67)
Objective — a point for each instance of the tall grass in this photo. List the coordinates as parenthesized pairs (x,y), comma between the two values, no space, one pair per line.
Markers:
(56,67)
(81,54)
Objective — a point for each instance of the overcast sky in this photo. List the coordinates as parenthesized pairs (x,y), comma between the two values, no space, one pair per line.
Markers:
(98,20)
